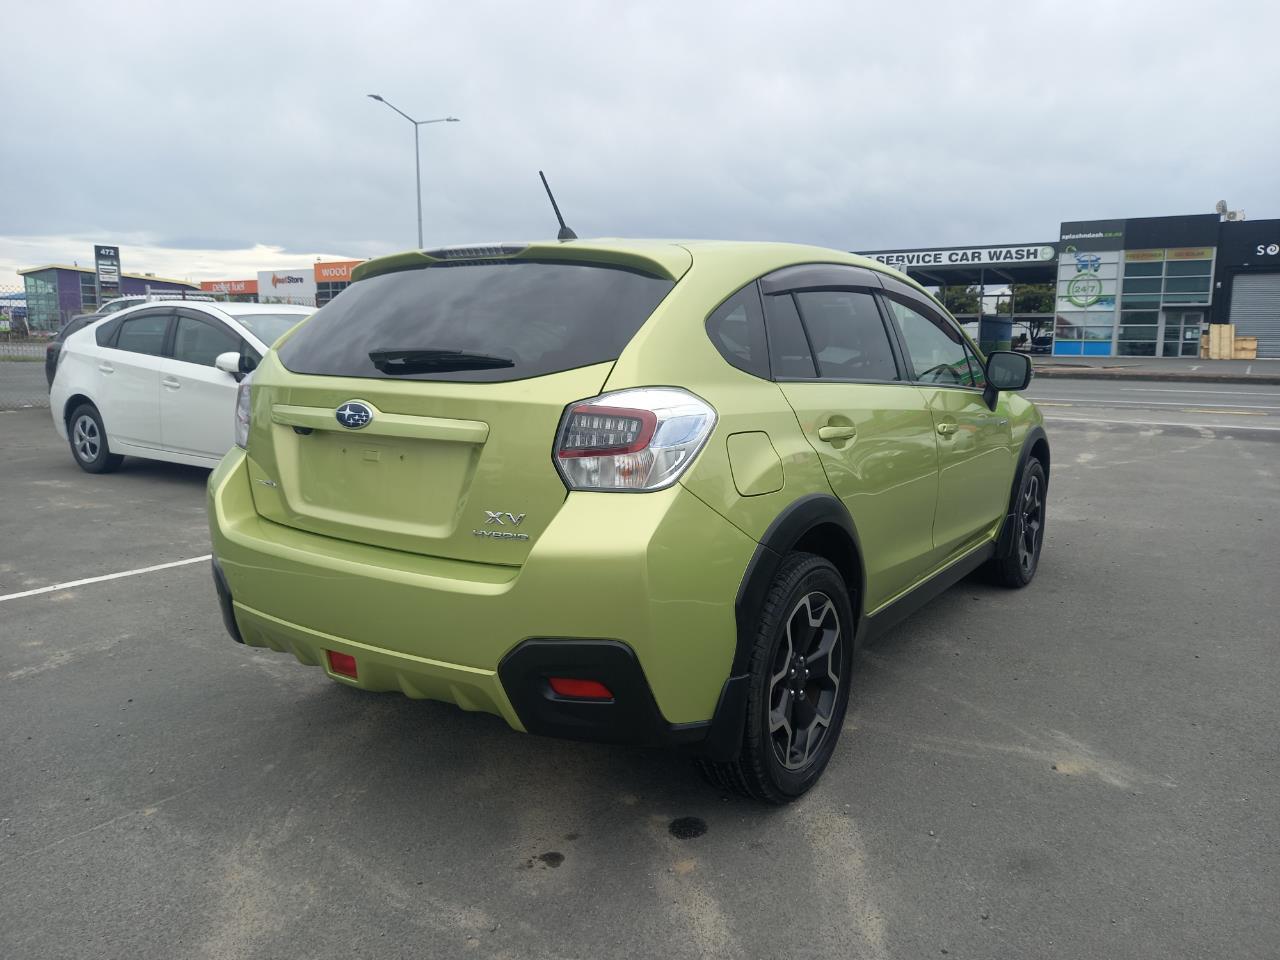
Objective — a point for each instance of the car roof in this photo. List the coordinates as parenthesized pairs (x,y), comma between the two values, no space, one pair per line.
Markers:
(245,309)
(734,260)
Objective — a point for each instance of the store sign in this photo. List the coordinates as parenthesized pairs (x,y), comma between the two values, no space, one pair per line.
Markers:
(337,272)
(1141,256)
(1094,234)
(967,256)
(1268,249)
(107,267)
(1190,253)
(230,287)
(287,286)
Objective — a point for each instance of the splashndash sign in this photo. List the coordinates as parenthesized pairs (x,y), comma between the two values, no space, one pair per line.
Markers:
(287,286)
(1031,253)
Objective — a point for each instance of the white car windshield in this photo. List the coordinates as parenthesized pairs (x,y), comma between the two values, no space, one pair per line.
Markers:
(269,327)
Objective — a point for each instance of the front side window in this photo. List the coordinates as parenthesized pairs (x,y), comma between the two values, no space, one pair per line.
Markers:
(936,349)
(143,334)
(269,327)
(847,335)
(195,341)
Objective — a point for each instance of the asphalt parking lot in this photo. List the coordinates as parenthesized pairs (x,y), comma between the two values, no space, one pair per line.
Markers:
(1085,768)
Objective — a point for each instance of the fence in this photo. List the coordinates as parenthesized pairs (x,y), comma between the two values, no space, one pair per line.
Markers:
(22,353)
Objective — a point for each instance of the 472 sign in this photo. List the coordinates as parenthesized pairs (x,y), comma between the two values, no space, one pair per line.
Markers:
(107,267)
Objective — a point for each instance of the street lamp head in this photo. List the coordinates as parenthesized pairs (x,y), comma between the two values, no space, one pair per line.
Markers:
(374,96)
(452,120)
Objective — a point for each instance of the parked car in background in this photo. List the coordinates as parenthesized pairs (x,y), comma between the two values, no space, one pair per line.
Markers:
(158,380)
(626,491)
(115,305)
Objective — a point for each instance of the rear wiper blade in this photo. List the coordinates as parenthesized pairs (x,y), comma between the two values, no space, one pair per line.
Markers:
(434,361)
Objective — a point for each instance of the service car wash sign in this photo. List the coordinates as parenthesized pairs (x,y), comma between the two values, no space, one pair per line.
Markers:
(107,267)
(966,257)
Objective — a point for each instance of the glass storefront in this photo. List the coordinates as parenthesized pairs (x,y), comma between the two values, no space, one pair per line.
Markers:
(1164,297)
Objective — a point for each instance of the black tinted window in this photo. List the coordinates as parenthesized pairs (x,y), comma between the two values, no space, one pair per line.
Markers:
(788,348)
(508,320)
(143,333)
(196,341)
(737,330)
(847,334)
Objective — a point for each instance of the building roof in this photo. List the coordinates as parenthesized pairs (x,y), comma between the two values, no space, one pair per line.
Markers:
(132,276)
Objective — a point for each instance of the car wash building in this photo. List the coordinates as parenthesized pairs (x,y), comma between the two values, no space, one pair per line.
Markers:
(1144,286)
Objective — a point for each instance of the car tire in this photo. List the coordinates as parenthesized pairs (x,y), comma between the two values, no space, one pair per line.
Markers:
(806,624)
(88,439)
(1028,509)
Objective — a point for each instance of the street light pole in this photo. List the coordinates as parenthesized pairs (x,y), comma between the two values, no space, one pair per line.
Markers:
(417,152)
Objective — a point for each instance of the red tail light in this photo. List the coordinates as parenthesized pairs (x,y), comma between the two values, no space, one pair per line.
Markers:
(579,689)
(637,439)
(343,664)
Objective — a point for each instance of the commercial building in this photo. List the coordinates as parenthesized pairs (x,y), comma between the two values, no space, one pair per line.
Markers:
(311,286)
(1143,286)
(56,293)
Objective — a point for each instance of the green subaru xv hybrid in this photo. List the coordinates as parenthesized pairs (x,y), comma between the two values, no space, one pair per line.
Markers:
(631,491)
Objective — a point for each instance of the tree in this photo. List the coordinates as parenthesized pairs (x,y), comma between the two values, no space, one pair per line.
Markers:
(960,299)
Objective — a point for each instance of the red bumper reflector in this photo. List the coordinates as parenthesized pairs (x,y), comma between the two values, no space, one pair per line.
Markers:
(342,663)
(580,689)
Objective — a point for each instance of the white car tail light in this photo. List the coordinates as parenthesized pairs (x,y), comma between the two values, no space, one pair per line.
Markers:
(636,440)
(243,413)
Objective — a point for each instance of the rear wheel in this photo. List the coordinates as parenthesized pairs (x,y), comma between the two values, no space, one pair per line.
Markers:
(88,439)
(1019,568)
(799,684)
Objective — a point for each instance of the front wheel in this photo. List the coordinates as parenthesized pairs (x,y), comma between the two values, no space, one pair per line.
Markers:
(800,672)
(88,439)
(1019,568)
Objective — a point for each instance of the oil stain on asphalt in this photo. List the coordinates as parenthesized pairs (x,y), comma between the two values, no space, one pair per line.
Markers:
(686,828)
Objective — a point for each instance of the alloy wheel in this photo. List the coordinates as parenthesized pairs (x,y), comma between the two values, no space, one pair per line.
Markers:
(85,438)
(805,682)
(1032,526)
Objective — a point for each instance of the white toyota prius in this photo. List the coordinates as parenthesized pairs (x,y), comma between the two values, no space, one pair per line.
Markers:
(159,380)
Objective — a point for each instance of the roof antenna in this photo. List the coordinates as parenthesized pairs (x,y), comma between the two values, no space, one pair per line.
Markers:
(565,233)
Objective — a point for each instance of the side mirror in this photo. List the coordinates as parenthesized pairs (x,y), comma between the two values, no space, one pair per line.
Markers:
(229,362)
(1006,370)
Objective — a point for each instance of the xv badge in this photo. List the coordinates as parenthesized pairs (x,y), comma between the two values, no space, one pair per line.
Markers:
(515,519)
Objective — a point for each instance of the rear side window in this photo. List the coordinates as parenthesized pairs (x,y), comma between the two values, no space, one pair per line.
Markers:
(489,321)
(736,328)
(847,335)
(788,348)
(143,334)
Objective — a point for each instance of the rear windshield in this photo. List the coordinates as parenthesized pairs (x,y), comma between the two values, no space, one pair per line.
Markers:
(504,320)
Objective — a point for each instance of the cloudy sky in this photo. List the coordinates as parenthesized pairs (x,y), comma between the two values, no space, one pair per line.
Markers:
(213,140)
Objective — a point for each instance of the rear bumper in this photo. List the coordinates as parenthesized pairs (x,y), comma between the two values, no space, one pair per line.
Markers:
(636,591)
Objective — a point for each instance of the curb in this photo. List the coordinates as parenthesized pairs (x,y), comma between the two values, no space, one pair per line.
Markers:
(1086,373)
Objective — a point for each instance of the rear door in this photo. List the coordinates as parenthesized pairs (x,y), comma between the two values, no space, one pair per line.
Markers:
(197,401)
(460,374)
(975,455)
(128,385)
(836,363)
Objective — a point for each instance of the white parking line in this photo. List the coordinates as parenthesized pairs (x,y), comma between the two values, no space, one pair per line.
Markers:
(110,576)
(1233,427)
(1156,403)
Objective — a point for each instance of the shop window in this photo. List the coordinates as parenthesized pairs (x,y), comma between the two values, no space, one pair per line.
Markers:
(1131,332)
(1140,317)
(1189,268)
(1140,301)
(1136,349)
(1142,285)
(1186,298)
(1098,333)
(1186,285)
(1143,269)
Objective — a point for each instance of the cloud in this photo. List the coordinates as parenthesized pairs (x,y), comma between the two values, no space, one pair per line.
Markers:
(850,125)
